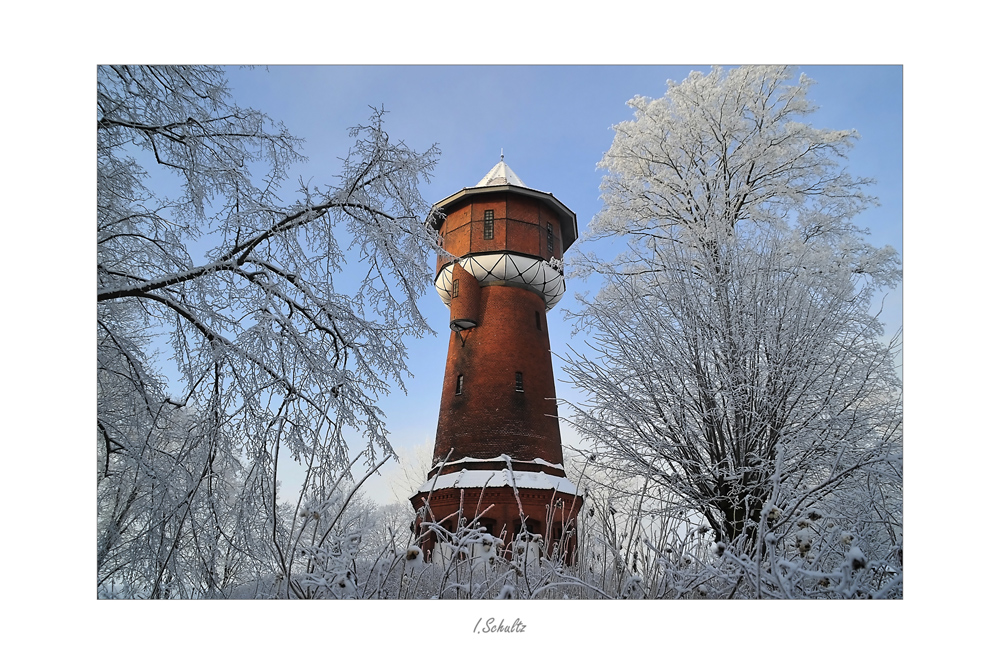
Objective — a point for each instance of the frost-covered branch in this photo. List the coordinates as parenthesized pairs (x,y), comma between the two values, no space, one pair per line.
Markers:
(737,364)
(266,346)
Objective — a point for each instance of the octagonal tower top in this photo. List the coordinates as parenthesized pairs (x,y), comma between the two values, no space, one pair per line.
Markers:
(502,178)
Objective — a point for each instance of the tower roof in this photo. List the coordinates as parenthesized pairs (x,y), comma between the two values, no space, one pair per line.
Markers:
(501,174)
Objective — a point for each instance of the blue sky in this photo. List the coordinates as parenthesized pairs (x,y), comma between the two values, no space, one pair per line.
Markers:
(554,124)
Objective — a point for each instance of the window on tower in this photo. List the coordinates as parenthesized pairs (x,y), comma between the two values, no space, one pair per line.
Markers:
(488,225)
(550,238)
(458,384)
(518,381)
(454,288)
(538,320)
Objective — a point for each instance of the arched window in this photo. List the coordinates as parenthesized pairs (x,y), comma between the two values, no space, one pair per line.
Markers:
(458,384)
(518,381)
(489,524)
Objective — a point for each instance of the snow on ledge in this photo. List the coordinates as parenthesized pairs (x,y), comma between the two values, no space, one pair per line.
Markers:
(504,458)
(478,479)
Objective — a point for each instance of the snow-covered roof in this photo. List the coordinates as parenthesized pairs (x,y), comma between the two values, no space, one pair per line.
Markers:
(501,174)
(477,479)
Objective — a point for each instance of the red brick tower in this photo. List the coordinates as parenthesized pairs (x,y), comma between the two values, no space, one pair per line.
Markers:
(498,454)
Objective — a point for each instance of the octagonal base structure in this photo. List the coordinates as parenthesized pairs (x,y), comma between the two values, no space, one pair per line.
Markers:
(513,506)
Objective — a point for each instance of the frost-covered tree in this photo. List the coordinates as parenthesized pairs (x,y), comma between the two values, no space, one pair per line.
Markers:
(739,366)
(226,334)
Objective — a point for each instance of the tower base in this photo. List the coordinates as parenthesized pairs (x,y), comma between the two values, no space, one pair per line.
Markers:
(527,509)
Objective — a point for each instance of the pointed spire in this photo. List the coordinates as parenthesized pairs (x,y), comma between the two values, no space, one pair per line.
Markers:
(501,174)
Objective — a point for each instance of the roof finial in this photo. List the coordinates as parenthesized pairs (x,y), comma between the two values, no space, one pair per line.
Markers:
(501,154)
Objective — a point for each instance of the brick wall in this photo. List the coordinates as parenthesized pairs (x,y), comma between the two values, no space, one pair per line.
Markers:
(490,417)
(520,224)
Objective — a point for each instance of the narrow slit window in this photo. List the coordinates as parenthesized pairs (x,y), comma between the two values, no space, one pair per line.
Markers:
(518,381)
(454,288)
(538,320)
(488,225)
(550,238)
(458,384)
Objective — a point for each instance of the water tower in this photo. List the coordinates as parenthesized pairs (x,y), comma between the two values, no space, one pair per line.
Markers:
(498,460)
